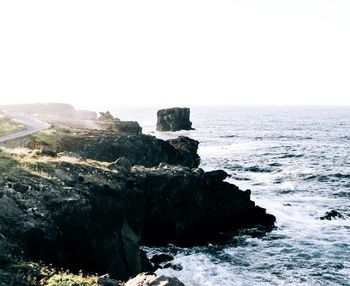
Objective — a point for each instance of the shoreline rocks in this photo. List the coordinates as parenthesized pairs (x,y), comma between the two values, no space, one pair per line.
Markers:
(174,119)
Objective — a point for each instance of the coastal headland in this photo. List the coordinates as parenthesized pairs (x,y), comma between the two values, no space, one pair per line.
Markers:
(85,195)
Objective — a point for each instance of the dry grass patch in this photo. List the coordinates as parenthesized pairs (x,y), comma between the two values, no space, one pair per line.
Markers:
(7,125)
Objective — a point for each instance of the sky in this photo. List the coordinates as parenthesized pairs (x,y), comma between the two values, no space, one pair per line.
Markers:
(248,52)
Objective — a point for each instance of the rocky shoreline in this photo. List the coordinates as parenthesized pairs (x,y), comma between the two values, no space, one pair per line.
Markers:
(85,200)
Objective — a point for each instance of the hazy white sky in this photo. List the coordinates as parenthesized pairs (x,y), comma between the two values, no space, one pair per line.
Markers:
(175,52)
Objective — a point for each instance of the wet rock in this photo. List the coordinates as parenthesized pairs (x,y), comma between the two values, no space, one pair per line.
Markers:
(161,258)
(176,267)
(333,214)
(174,119)
(151,279)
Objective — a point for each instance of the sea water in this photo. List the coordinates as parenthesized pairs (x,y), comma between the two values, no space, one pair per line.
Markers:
(296,161)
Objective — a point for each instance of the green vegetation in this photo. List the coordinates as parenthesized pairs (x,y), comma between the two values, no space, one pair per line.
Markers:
(7,125)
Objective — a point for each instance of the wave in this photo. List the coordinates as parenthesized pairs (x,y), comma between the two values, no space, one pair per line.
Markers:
(229,136)
(289,155)
(325,177)
(275,164)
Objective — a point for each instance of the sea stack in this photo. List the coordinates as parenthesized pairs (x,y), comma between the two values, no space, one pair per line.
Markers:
(174,119)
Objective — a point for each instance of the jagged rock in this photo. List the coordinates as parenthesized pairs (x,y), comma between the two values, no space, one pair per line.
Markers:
(174,119)
(186,207)
(333,214)
(151,279)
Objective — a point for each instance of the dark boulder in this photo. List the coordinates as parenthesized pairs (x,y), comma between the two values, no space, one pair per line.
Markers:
(174,119)
(161,258)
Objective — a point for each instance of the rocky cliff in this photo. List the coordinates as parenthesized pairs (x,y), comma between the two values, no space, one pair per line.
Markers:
(88,199)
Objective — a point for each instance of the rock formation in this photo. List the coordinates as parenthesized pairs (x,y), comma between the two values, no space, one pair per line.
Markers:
(107,122)
(174,119)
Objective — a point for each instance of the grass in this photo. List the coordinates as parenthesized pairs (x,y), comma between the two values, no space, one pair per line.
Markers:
(67,279)
(7,125)
(23,163)
(23,273)
(50,138)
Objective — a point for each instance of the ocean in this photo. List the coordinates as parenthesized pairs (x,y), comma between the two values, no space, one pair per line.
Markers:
(296,161)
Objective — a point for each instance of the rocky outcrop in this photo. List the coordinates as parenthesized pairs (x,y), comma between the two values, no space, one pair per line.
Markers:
(84,215)
(106,116)
(174,119)
(139,149)
(192,207)
(151,279)
(107,122)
